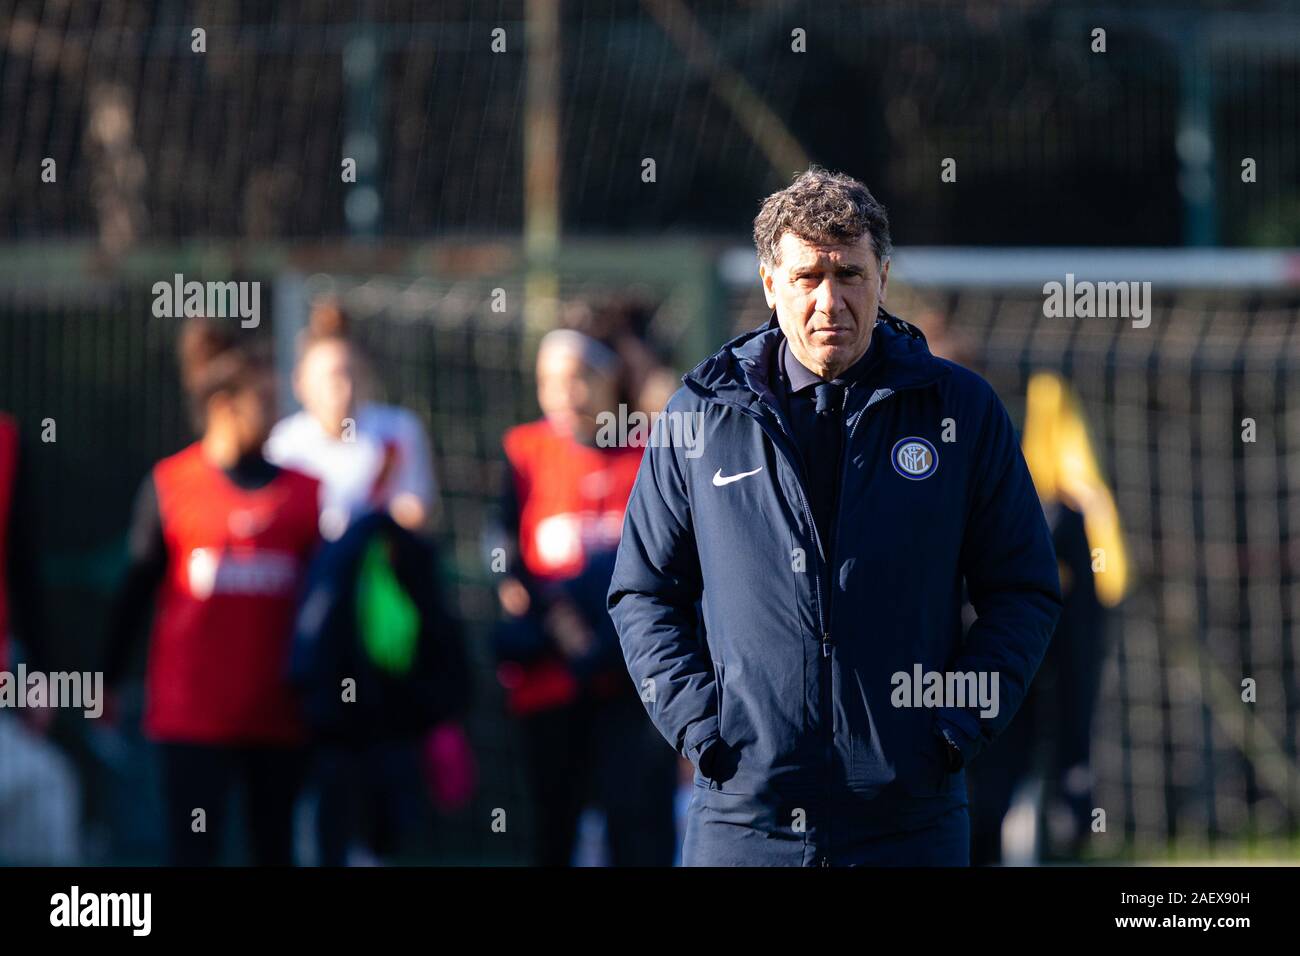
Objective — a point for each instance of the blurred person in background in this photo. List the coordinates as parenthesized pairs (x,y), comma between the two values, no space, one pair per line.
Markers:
(39,801)
(624,324)
(368,458)
(218,546)
(586,738)
(1050,739)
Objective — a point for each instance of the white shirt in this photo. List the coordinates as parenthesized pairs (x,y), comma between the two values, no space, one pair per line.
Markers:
(384,454)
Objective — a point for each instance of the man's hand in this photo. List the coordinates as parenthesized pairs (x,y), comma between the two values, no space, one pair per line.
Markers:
(953,759)
(718,761)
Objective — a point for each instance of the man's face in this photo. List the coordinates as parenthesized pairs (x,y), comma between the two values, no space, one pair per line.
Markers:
(825,298)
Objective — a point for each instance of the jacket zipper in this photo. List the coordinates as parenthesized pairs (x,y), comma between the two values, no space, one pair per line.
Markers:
(797,466)
(827,644)
(828,720)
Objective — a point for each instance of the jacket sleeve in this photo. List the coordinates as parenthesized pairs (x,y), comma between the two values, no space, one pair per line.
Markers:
(653,600)
(1009,563)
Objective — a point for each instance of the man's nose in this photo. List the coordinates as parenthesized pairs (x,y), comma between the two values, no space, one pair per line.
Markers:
(828,298)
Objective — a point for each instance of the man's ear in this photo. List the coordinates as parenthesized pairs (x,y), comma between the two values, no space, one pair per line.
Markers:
(766,277)
(884,278)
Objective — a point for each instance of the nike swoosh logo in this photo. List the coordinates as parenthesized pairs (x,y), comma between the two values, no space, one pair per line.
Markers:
(720,481)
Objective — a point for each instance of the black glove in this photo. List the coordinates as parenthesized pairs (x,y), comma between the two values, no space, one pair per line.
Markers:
(953,759)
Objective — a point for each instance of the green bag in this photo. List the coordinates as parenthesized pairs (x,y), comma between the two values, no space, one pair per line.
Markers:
(387,618)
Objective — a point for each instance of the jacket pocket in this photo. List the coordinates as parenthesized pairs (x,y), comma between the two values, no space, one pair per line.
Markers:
(724,756)
(930,774)
(890,746)
(868,765)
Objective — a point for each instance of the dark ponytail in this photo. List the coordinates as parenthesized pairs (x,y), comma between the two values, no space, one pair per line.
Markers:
(215,360)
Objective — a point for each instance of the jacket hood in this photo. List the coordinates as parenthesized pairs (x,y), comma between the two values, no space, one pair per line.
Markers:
(739,372)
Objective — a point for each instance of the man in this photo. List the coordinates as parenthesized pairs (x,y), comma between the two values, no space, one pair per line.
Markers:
(789,595)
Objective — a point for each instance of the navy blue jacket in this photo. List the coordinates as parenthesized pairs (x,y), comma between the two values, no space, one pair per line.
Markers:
(771,665)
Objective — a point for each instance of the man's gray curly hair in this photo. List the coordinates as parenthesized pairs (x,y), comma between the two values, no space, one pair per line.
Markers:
(821,207)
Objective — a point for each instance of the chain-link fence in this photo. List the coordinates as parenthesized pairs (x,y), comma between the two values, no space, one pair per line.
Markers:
(1056,135)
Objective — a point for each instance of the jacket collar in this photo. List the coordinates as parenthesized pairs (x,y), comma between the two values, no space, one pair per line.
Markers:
(795,377)
(740,373)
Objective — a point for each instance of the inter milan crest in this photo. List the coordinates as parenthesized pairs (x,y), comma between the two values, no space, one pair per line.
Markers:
(914,458)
